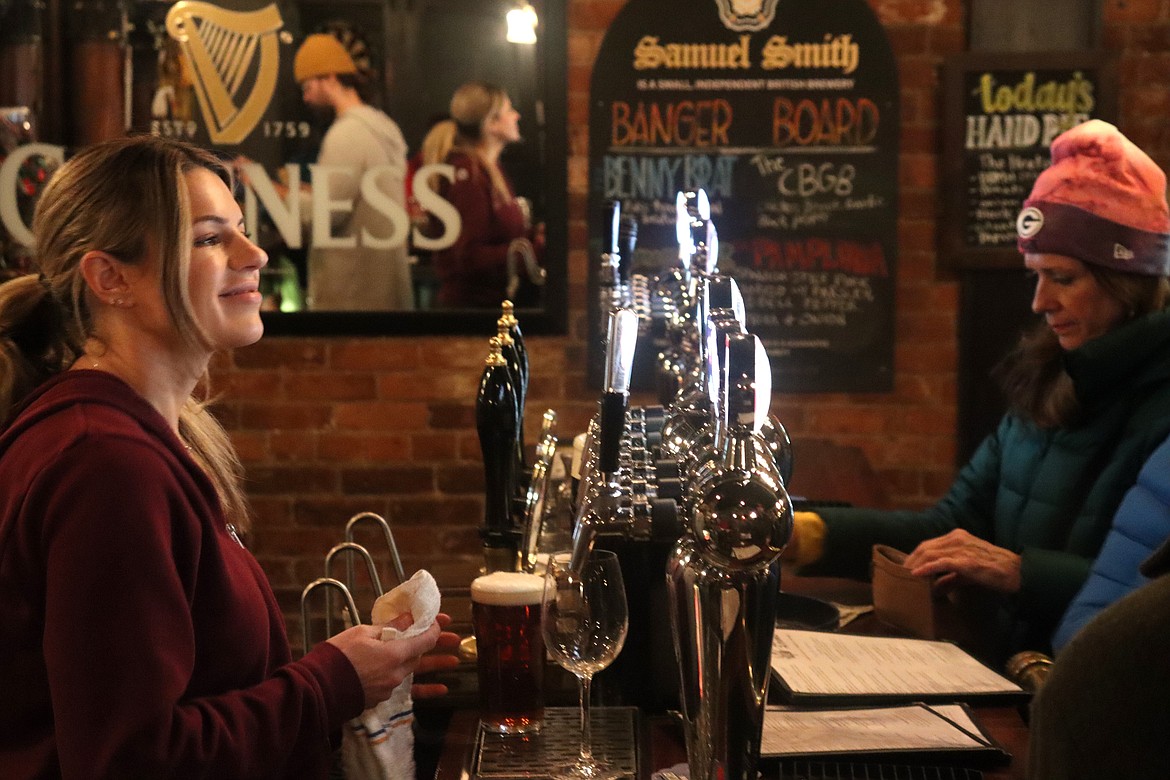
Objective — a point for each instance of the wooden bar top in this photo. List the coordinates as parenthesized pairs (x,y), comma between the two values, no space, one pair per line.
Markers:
(661,738)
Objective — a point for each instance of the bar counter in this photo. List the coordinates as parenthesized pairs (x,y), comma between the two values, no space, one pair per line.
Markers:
(659,736)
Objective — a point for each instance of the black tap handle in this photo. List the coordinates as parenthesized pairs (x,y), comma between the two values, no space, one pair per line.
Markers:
(627,240)
(749,382)
(613,425)
(613,213)
(496,423)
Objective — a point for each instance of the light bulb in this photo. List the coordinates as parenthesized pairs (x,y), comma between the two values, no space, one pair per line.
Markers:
(522,24)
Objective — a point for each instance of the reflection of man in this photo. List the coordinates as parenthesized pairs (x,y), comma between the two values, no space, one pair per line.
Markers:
(354,270)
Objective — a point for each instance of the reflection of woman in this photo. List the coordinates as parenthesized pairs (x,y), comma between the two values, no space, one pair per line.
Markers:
(496,233)
(1090,400)
(138,637)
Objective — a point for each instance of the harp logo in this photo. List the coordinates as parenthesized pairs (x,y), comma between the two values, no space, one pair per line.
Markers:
(746,15)
(222,48)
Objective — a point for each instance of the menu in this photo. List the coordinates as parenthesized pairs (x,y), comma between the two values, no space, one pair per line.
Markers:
(813,665)
(788,118)
(940,730)
(1001,115)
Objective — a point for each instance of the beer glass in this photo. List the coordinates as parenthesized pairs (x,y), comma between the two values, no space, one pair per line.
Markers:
(584,620)
(505,614)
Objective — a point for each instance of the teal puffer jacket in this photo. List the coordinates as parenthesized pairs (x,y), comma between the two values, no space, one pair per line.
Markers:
(1048,495)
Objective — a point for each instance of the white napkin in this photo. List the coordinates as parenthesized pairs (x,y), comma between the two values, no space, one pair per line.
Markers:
(379,743)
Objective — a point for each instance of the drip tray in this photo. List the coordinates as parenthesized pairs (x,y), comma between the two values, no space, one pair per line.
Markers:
(615,739)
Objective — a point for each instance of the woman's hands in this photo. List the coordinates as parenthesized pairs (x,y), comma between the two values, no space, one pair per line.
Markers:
(960,557)
(382,666)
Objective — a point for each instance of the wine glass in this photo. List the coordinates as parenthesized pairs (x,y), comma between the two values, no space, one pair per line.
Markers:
(584,620)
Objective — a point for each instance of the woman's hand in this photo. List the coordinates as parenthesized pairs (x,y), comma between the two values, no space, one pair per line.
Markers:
(962,557)
(383,665)
(435,662)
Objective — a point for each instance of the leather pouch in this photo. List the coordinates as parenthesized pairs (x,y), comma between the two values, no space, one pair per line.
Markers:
(900,599)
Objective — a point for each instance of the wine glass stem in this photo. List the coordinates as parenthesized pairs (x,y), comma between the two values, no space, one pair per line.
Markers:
(586,731)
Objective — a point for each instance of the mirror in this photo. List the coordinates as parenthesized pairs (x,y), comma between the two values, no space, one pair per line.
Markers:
(417,52)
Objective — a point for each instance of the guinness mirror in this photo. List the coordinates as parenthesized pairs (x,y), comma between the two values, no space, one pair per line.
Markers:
(221,74)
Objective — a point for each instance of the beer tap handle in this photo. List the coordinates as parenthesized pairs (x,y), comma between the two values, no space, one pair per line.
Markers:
(711,365)
(621,343)
(712,241)
(509,316)
(749,383)
(695,202)
(627,240)
(496,424)
(726,299)
(612,230)
(705,239)
(682,232)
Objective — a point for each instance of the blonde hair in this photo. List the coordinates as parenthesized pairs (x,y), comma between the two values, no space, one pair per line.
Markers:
(122,197)
(473,104)
(437,144)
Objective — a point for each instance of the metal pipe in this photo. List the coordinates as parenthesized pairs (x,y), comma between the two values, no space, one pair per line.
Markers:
(395,560)
(330,583)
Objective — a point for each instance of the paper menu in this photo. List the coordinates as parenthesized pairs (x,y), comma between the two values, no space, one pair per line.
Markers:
(911,727)
(819,664)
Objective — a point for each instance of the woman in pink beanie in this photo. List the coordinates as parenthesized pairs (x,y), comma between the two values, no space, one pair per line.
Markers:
(1089,397)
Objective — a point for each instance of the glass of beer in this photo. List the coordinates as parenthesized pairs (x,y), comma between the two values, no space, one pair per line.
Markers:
(505,614)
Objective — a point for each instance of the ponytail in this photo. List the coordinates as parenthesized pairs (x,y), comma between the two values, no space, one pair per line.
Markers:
(35,342)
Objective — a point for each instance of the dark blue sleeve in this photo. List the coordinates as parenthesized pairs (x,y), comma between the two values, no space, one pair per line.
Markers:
(1141,524)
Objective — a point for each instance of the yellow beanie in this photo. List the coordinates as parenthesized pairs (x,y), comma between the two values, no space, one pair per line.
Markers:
(320,55)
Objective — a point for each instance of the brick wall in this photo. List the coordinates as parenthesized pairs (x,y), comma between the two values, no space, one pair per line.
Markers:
(328,427)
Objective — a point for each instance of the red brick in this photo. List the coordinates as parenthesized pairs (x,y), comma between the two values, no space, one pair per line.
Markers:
(460,541)
(293,445)
(895,12)
(436,511)
(918,73)
(1132,11)
(457,353)
(456,478)
(918,170)
(926,421)
(363,446)
(452,415)
(282,415)
(270,511)
(247,385)
(375,355)
(388,479)
(333,512)
(331,386)
(287,354)
(431,383)
(850,419)
(948,39)
(297,541)
(469,448)
(381,416)
(251,446)
(433,446)
(281,480)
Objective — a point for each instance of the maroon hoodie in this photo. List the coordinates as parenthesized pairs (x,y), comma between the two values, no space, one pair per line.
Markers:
(138,639)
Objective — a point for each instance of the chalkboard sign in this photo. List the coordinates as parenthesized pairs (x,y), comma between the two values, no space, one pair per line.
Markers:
(1001,114)
(787,116)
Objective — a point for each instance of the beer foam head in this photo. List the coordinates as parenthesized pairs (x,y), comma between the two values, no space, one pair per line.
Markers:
(507,589)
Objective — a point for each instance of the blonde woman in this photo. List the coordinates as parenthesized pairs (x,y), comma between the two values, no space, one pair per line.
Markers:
(497,254)
(138,637)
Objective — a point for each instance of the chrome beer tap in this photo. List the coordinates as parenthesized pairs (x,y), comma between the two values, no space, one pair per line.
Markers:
(723,578)
(621,235)
(696,407)
(603,508)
